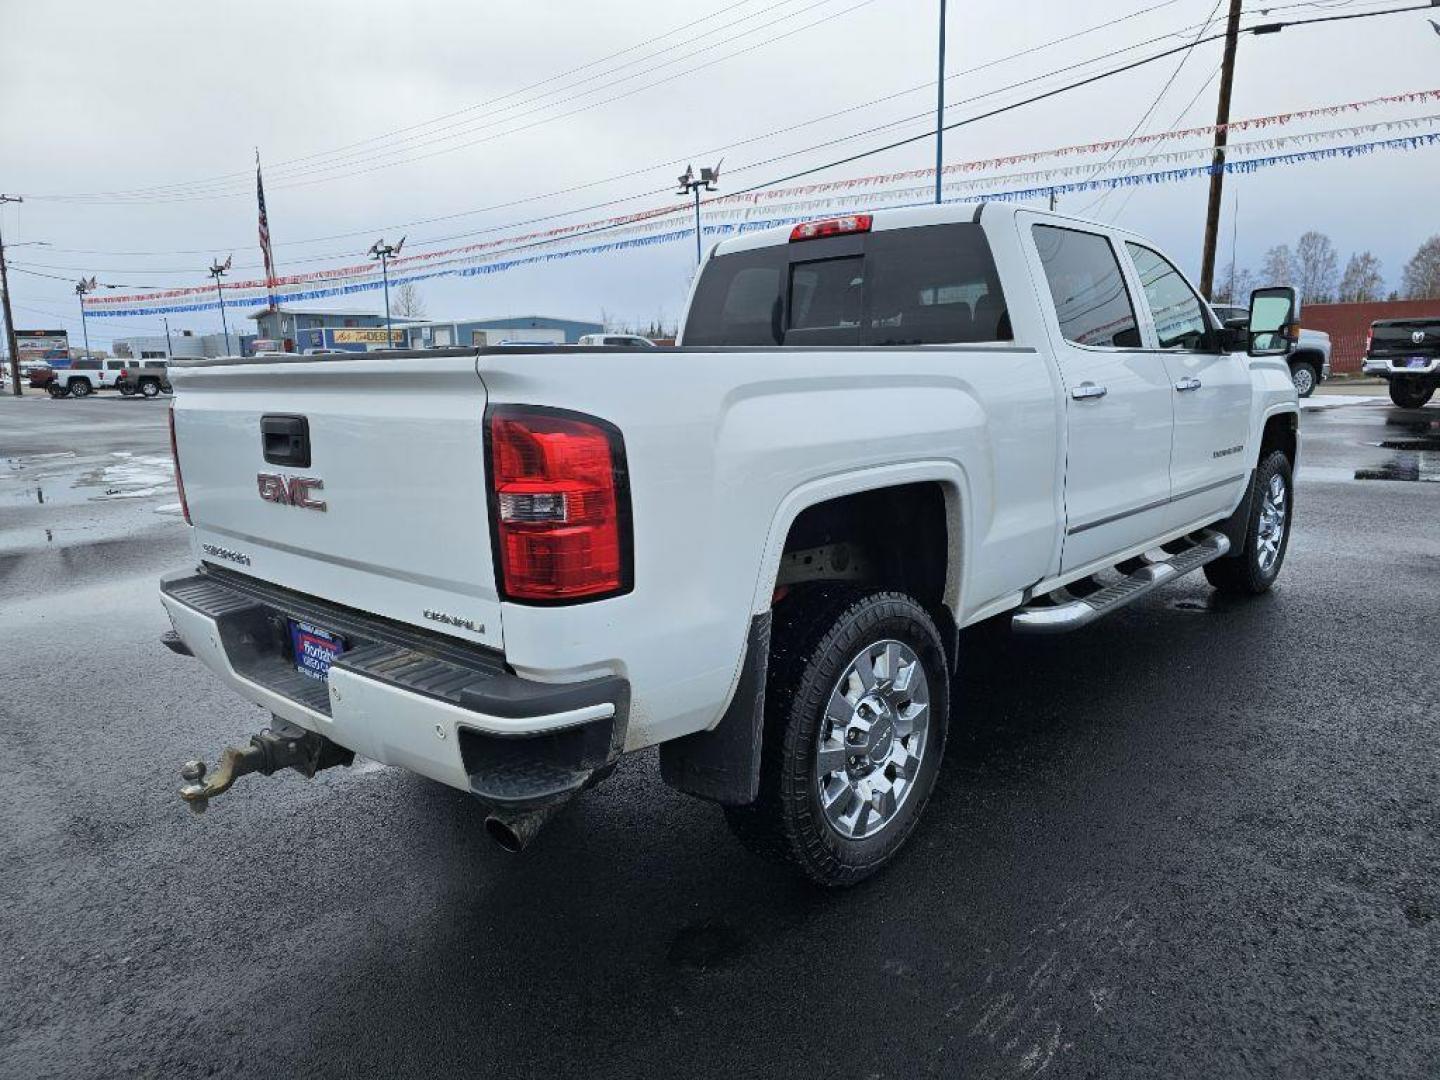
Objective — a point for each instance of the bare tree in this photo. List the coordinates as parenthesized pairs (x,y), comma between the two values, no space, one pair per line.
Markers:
(1233,285)
(1318,268)
(407,302)
(1422,272)
(1278,266)
(1363,280)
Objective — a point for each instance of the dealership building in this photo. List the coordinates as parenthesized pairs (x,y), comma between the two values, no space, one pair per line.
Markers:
(177,344)
(297,327)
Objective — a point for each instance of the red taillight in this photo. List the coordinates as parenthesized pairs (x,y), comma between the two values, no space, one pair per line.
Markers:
(175,457)
(813,230)
(560,505)
(1369,340)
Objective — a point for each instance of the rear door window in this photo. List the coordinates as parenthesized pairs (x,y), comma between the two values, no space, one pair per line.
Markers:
(925,285)
(1091,300)
(1178,314)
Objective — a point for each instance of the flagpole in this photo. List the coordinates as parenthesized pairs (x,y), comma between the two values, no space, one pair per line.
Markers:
(265,246)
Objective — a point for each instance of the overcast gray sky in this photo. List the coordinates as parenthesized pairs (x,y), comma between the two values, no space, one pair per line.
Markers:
(105,97)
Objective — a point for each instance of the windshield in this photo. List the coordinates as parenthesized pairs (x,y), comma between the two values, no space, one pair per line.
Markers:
(924,285)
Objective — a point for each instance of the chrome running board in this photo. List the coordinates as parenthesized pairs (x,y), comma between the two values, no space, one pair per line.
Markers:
(1072,614)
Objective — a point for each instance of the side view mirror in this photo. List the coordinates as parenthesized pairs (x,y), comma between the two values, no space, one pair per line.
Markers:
(1274,324)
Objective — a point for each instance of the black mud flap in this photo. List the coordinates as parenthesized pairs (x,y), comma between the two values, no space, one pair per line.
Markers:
(723,764)
(1234,527)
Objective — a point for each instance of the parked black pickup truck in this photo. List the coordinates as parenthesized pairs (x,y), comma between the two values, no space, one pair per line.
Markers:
(1406,353)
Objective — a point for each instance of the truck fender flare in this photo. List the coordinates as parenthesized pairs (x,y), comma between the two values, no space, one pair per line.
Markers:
(951,476)
(722,763)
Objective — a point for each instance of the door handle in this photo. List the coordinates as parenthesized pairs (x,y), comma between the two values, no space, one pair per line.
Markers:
(1187,383)
(1088,390)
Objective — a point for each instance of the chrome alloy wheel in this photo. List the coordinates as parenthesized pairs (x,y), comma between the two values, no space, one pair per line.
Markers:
(1304,380)
(872,739)
(1274,517)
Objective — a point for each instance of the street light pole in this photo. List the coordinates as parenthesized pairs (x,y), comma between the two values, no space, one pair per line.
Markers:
(690,184)
(169,348)
(940,109)
(9,315)
(385,252)
(217,271)
(83,287)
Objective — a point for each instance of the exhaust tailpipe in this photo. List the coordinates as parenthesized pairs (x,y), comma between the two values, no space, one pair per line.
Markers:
(513,831)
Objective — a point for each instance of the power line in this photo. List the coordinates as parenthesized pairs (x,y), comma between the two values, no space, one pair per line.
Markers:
(1175,124)
(179,193)
(668,211)
(524,89)
(766,161)
(903,142)
(1154,104)
(650,169)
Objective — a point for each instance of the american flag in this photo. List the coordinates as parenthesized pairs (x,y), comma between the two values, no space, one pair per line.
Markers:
(265,234)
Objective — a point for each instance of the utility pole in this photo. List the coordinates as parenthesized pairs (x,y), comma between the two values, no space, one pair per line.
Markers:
(9,315)
(217,271)
(169,348)
(1217,163)
(385,252)
(82,288)
(940,109)
(689,185)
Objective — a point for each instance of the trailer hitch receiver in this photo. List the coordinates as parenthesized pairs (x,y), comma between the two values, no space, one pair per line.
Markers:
(281,746)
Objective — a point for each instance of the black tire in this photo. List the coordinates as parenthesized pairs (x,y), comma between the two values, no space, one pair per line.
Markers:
(150,388)
(126,389)
(1305,377)
(817,633)
(1244,573)
(80,388)
(1411,393)
(55,390)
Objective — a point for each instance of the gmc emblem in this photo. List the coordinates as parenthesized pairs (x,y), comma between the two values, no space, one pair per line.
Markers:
(291,490)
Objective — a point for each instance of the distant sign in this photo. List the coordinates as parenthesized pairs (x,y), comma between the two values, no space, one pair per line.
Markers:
(368,337)
(42,344)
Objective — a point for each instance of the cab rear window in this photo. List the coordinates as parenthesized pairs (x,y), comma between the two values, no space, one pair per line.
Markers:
(927,285)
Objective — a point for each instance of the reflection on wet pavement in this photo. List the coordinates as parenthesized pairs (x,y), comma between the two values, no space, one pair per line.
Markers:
(1415,441)
(71,478)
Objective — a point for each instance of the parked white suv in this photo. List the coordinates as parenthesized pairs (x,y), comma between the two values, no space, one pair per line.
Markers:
(755,550)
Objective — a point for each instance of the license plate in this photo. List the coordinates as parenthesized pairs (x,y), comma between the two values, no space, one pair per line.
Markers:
(314,649)
(1417,361)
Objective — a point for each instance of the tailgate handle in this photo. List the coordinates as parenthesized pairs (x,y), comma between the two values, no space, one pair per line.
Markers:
(286,440)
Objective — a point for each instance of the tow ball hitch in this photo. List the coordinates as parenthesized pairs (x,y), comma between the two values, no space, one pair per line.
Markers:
(281,746)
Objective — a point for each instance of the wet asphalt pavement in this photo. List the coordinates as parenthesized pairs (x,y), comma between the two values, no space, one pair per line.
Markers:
(1199,839)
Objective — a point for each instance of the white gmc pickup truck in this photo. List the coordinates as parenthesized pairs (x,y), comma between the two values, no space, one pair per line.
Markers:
(505,568)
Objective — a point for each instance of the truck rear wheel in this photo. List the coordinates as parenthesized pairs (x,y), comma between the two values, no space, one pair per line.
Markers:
(1410,393)
(856,711)
(1254,568)
(150,388)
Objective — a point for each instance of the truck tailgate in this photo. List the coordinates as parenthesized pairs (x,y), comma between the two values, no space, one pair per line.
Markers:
(400,526)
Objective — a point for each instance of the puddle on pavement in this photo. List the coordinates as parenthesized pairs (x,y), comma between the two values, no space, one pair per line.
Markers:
(66,479)
(1415,446)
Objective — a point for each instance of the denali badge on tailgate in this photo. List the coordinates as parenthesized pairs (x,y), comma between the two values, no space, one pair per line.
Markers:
(291,490)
